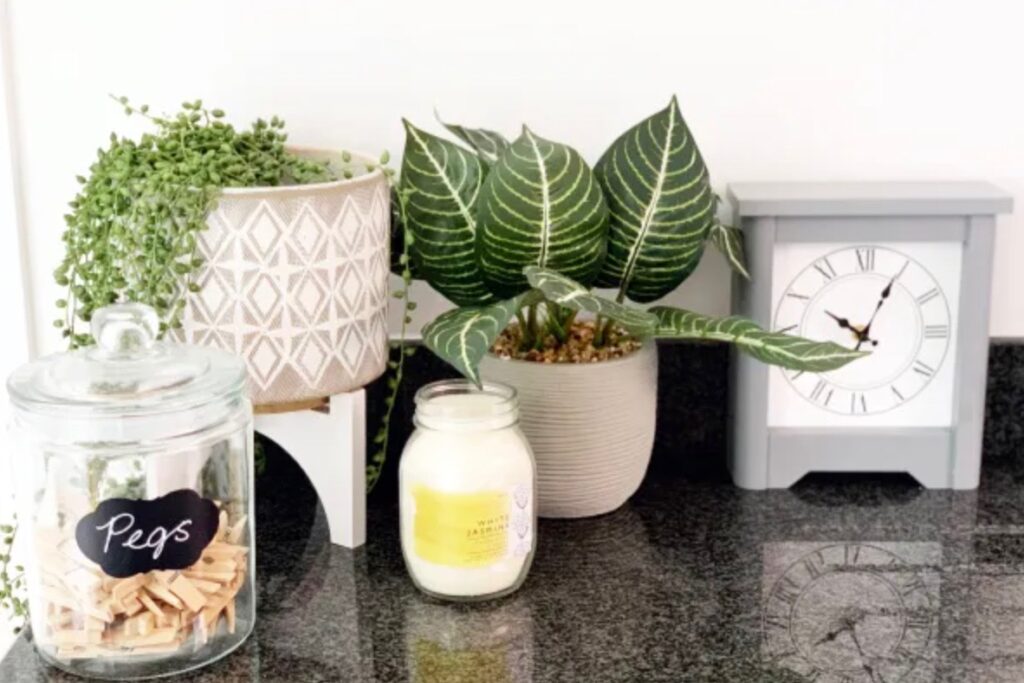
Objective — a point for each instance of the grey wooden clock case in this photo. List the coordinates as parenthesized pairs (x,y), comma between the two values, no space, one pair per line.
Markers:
(769,213)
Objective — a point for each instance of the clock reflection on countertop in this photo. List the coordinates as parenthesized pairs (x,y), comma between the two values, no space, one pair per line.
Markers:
(852,612)
(901,271)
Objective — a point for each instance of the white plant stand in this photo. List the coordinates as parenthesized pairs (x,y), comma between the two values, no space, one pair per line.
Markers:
(330,446)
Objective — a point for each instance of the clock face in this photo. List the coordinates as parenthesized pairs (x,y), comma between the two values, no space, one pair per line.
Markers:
(894,301)
(850,612)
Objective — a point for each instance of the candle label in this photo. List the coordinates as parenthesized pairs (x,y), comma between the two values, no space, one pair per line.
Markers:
(472,529)
(127,537)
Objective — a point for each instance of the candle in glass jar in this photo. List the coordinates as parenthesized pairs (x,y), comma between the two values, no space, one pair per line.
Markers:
(467,492)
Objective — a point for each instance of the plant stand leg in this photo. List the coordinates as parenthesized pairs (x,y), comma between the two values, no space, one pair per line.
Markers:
(331,449)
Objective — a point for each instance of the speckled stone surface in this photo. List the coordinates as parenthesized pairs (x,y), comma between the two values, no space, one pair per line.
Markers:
(861,579)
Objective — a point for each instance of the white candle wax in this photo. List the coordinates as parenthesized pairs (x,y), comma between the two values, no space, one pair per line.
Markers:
(466,496)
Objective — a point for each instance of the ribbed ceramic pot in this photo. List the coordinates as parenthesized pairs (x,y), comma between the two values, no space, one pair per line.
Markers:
(591,427)
(295,281)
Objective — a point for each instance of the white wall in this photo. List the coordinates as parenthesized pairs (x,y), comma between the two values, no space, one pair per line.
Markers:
(773,90)
(14,342)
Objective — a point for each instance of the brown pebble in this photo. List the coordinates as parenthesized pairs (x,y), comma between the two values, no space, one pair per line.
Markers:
(579,347)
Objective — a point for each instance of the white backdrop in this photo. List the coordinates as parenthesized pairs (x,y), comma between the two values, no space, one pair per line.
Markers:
(14,342)
(789,89)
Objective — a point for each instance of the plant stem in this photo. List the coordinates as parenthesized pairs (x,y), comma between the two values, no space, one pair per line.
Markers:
(605,331)
(522,326)
(12,586)
(568,322)
(531,322)
(554,324)
(381,440)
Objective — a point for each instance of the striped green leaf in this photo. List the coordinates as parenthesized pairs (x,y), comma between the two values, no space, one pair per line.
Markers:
(571,294)
(795,353)
(463,336)
(442,182)
(540,205)
(661,206)
(729,241)
(488,144)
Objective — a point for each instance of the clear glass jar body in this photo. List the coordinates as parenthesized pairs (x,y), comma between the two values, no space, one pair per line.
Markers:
(467,481)
(134,479)
(155,623)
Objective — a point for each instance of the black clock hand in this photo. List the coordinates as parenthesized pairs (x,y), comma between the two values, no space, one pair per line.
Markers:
(862,335)
(847,621)
(842,322)
(833,634)
(863,658)
(881,300)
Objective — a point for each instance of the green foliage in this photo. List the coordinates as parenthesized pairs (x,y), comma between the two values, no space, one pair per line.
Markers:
(487,144)
(463,336)
(13,601)
(396,366)
(133,227)
(441,185)
(530,224)
(729,241)
(662,206)
(775,348)
(540,205)
(563,291)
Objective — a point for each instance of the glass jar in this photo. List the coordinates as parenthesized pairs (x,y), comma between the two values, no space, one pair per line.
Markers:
(134,481)
(467,492)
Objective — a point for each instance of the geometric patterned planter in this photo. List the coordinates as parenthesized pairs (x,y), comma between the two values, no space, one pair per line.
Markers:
(295,281)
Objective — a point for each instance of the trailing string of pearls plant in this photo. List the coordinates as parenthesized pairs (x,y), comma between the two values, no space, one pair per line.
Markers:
(132,231)
(401,265)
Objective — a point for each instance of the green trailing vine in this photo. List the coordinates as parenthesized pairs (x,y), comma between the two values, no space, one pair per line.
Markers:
(12,579)
(132,232)
(396,367)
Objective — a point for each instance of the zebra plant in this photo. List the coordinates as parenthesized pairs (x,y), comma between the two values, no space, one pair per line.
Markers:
(523,230)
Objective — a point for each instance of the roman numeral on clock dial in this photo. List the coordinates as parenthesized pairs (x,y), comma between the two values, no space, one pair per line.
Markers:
(865,259)
(824,266)
(923,368)
(822,392)
(936,331)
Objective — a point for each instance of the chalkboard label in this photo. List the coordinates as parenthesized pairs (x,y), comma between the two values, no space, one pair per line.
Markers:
(127,537)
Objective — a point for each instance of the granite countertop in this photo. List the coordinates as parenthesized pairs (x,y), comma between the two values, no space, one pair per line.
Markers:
(853,579)
(692,580)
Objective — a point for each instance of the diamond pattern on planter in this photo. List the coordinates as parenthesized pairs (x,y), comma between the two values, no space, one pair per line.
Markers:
(309,234)
(263,359)
(309,297)
(264,231)
(263,297)
(295,282)
(352,345)
(214,295)
(311,358)
(350,290)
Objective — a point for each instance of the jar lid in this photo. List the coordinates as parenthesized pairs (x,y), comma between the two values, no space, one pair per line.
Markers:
(127,373)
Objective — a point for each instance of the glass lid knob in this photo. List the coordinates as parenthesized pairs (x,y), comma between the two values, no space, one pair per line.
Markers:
(125,328)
